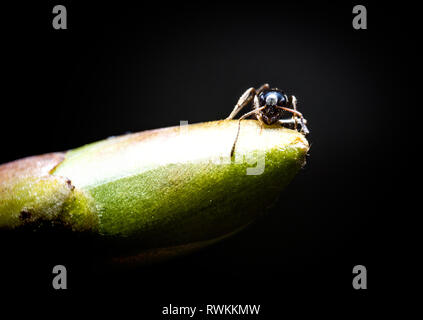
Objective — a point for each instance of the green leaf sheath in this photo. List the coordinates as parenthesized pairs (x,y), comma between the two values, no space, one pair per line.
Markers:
(160,192)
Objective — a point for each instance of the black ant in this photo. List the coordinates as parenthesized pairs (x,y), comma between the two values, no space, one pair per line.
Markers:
(269,106)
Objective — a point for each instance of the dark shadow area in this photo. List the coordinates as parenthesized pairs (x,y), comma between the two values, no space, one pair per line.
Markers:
(126,67)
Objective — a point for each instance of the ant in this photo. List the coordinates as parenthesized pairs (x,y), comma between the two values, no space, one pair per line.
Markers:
(269,106)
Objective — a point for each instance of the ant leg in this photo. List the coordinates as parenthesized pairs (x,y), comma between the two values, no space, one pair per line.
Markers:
(244,100)
(255,111)
(295,112)
(257,106)
(262,88)
(293,103)
(260,120)
(290,121)
(303,121)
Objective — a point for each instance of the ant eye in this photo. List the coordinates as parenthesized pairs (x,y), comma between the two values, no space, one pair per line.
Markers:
(272,98)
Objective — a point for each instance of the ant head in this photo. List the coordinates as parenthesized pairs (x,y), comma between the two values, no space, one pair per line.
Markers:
(273,97)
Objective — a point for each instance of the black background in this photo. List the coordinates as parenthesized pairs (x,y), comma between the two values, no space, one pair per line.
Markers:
(130,67)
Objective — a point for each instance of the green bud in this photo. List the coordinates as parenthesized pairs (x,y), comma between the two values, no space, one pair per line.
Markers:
(158,193)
